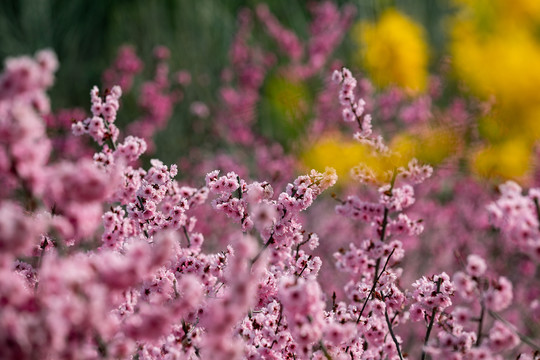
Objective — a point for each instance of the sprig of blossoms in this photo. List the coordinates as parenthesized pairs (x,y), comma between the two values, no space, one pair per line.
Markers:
(517,216)
(377,301)
(461,334)
(101,125)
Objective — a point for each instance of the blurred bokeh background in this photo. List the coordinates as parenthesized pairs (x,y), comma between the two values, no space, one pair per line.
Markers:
(485,53)
(86,35)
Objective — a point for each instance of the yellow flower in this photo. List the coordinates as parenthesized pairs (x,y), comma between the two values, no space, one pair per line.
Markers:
(488,14)
(333,151)
(505,64)
(430,146)
(520,10)
(345,154)
(394,51)
(508,160)
(496,52)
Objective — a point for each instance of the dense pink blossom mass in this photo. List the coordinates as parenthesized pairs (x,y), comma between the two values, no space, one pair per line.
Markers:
(102,257)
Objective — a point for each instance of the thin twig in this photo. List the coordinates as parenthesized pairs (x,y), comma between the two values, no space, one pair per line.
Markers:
(524,338)
(480,324)
(176,294)
(374,285)
(187,236)
(392,333)
(537,206)
(239,187)
(325,351)
(299,245)
(305,266)
(270,241)
(431,321)
(141,207)
(428,332)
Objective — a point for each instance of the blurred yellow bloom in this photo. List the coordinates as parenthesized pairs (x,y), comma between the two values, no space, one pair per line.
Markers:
(394,51)
(334,152)
(431,146)
(528,10)
(510,159)
(492,13)
(343,155)
(496,52)
(505,64)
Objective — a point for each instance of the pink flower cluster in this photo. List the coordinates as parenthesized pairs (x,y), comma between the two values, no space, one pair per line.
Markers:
(101,125)
(156,101)
(249,64)
(104,258)
(326,29)
(122,72)
(24,146)
(156,97)
(463,336)
(352,111)
(517,216)
(59,126)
